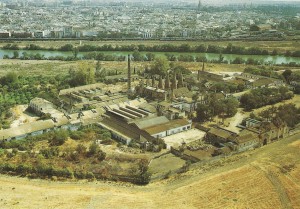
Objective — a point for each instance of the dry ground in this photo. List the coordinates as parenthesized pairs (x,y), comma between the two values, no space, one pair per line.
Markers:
(268,177)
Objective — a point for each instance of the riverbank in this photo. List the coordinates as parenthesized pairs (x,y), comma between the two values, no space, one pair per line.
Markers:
(280,46)
(143,56)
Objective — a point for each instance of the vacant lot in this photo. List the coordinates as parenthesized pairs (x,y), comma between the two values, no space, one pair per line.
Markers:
(47,67)
(268,177)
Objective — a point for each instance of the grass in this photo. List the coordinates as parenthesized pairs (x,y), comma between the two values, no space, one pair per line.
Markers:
(169,162)
(47,67)
(52,68)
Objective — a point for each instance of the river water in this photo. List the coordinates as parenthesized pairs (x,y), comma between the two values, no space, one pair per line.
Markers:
(210,56)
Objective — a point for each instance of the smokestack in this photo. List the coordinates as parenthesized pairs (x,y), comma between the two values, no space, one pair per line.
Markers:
(167,82)
(129,74)
(153,81)
(160,83)
(180,81)
(174,82)
(198,77)
(148,82)
(203,67)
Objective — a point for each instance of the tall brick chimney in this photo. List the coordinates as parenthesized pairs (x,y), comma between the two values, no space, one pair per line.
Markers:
(167,82)
(160,82)
(174,82)
(180,80)
(129,75)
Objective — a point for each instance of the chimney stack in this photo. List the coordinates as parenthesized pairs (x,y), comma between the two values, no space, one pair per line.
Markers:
(174,82)
(160,83)
(148,82)
(153,81)
(129,74)
(180,81)
(167,82)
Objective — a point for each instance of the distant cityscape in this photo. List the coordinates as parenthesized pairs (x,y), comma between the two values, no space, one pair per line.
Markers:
(127,20)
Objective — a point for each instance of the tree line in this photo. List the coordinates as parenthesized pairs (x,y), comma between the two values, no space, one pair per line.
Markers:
(264,96)
(226,107)
(287,113)
(201,48)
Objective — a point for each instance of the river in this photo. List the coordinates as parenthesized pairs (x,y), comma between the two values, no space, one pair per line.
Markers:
(279,59)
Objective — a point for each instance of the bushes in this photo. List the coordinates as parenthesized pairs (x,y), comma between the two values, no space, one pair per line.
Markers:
(58,138)
(50,152)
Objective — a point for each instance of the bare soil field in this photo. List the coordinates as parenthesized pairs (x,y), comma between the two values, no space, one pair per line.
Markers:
(268,177)
(35,67)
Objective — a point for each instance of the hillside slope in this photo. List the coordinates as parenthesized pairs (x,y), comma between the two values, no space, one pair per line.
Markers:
(268,177)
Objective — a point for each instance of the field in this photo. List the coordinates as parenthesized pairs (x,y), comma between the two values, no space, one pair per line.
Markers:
(280,46)
(268,177)
(52,68)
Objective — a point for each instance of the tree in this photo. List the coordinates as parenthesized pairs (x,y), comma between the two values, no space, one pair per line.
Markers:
(287,74)
(181,69)
(160,66)
(93,149)
(248,101)
(231,105)
(266,114)
(238,60)
(289,113)
(203,112)
(15,55)
(81,149)
(9,78)
(67,47)
(150,56)
(144,176)
(75,52)
(137,56)
(84,74)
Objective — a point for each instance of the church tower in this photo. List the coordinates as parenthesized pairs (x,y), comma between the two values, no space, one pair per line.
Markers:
(199,6)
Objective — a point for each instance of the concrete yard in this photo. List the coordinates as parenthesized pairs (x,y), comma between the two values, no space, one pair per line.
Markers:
(186,136)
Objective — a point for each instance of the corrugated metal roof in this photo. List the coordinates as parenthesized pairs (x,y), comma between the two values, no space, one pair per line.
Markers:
(220,132)
(167,126)
(148,122)
(26,128)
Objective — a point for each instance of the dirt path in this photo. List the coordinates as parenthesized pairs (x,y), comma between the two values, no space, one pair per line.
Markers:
(272,177)
(236,120)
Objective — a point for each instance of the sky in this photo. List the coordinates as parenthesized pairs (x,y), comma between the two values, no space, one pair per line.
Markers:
(240,1)
(208,2)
